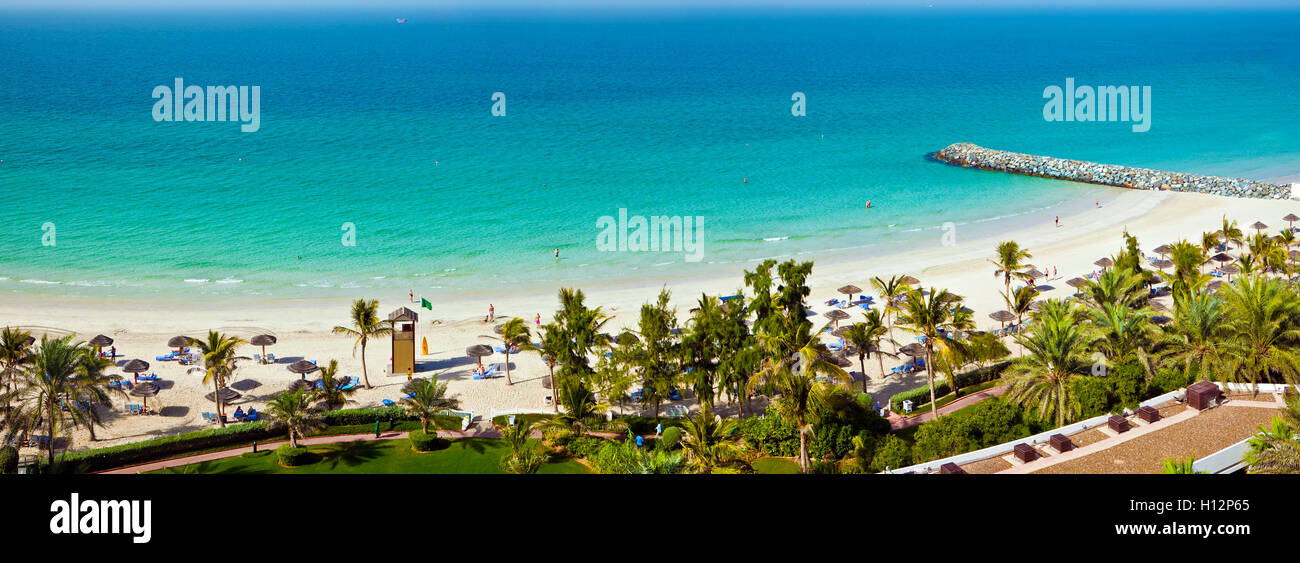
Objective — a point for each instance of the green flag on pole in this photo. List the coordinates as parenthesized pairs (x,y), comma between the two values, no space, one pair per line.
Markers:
(426,304)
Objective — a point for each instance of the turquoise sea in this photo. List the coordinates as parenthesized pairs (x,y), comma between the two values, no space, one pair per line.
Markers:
(388,126)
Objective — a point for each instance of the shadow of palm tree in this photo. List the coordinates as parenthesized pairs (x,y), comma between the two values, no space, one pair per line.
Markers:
(477,445)
(352,454)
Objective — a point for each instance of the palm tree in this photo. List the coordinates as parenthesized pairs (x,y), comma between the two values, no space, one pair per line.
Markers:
(1114,286)
(1008,258)
(1261,329)
(218,358)
(295,412)
(331,392)
(524,458)
(1200,326)
(90,389)
(710,441)
(928,315)
(427,398)
(1229,232)
(14,355)
(366,324)
(1123,330)
(1020,303)
(1275,448)
(1058,348)
(857,335)
(794,357)
(514,333)
(891,292)
(553,345)
(40,394)
(580,406)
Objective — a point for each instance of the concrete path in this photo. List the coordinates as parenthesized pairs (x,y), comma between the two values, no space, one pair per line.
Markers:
(897,422)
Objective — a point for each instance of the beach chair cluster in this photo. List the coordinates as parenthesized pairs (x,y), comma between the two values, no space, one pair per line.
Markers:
(135,408)
(488,373)
(150,377)
(865,302)
(34,441)
(917,364)
(269,359)
(348,383)
(183,356)
(122,384)
(502,349)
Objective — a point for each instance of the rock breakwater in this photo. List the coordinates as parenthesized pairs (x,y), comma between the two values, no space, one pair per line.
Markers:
(974,156)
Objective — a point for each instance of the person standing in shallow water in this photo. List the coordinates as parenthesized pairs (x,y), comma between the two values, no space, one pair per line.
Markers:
(557,255)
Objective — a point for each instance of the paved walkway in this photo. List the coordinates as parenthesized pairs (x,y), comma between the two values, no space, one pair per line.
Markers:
(897,422)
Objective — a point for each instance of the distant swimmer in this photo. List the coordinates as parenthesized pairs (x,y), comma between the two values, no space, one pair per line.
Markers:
(1099,204)
(868,204)
(557,254)
(746,180)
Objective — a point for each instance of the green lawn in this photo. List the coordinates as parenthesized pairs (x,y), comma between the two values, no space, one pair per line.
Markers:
(469,455)
(774,466)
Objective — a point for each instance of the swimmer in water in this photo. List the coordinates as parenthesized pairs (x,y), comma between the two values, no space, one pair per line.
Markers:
(868,204)
(557,254)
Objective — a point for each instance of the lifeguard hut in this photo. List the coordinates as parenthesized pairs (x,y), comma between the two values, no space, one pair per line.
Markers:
(403,321)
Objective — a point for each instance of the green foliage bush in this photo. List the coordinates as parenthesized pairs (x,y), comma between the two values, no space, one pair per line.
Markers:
(290,456)
(920,396)
(988,423)
(422,442)
(671,436)
(892,453)
(349,417)
(770,434)
(585,447)
(8,460)
(1093,395)
(1169,379)
(1128,383)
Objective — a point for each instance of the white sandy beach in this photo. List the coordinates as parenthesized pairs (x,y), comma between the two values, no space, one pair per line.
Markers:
(302,326)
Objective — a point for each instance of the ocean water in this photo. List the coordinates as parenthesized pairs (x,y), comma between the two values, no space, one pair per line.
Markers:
(388,126)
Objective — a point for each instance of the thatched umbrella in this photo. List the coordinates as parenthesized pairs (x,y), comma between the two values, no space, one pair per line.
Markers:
(1290,219)
(1162,264)
(1077,283)
(499,328)
(1221,258)
(100,341)
(479,351)
(1003,317)
(1230,269)
(1104,262)
(1158,306)
(302,368)
(144,391)
(839,332)
(135,368)
(263,340)
(836,315)
(1259,226)
(850,290)
(914,349)
(179,343)
(227,394)
(1162,250)
(300,384)
(909,280)
(1034,274)
(1037,305)
(1214,285)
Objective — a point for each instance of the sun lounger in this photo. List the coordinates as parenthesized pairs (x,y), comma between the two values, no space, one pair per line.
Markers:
(388,403)
(270,358)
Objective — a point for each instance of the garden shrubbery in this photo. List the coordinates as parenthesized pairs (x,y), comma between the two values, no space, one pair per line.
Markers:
(8,460)
(422,442)
(985,424)
(290,456)
(920,396)
(159,448)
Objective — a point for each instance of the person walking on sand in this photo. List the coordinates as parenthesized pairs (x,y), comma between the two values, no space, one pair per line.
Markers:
(412,294)
(492,313)
(538,319)
(1058,221)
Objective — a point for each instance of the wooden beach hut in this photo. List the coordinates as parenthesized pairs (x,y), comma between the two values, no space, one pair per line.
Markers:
(403,321)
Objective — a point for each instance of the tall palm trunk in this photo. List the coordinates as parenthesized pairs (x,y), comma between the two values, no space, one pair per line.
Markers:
(216,394)
(929,373)
(49,435)
(803,447)
(508,382)
(881,358)
(364,374)
(862,365)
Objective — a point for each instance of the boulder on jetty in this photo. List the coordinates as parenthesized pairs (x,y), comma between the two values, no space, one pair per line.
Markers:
(973,156)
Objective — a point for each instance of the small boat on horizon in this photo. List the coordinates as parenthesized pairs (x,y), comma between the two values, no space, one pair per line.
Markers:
(401,20)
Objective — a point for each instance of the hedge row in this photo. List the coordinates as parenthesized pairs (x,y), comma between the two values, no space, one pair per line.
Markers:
(920,396)
(338,422)
(291,457)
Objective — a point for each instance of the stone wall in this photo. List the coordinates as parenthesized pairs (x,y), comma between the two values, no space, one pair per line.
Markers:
(966,154)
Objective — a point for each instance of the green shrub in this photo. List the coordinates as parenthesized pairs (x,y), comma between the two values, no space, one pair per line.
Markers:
(671,436)
(1093,395)
(585,447)
(1169,379)
(290,456)
(8,460)
(422,442)
(920,396)
(1128,383)
(985,424)
(893,453)
(770,434)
